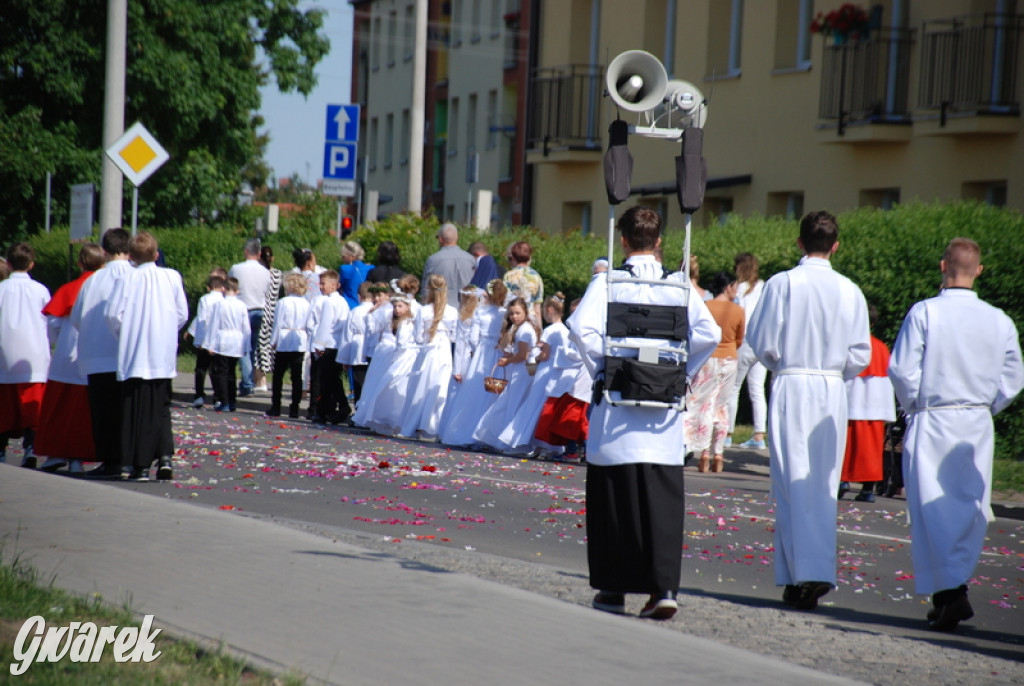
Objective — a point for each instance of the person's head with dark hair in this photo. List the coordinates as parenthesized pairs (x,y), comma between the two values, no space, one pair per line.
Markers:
(477,248)
(301,257)
(388,255)
(216,282)
(267,256)
(143,248)
(21,257)
(641,229)
(721,281)
(90,257)
(231,285)
(520,253)
(819,234)
(115,241)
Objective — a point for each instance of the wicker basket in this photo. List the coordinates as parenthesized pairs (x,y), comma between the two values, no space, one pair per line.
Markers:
(494,384)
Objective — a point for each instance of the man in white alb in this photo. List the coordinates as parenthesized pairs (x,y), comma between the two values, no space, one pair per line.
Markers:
(811,330)
(956,362)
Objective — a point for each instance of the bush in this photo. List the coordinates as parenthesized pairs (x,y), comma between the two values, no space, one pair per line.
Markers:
(892,255)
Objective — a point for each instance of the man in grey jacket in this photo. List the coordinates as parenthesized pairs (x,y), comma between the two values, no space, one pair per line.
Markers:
(452,262)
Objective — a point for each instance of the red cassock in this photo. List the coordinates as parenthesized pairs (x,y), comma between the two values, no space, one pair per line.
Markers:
(865,438)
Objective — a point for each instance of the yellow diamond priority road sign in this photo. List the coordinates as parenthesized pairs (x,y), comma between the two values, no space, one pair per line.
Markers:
(137,154)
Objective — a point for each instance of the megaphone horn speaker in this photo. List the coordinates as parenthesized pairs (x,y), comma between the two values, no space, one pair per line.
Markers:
(636,81)
(685,105)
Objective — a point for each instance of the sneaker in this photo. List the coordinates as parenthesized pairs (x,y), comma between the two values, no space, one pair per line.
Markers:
(568,458)
(844,488)
(244,392)
(139,474)
(163,470)
(106,472)
(75,467)
(865,497)
(220,407)
(660,606)
(29,462)
(262,388)
(753,445)
(609,602)
(198,402)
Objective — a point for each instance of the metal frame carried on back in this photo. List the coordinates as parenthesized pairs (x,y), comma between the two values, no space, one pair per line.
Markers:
(636,81)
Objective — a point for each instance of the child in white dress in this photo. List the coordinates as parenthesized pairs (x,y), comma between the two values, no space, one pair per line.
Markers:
(384,412)
(518,336)
(428,387)
(518,435)
(463,413)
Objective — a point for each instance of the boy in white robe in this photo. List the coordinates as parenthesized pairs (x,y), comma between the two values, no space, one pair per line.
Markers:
(956,362)
(811,330)
(635,454)
(332,404)
(197,330)
(97,353)
(24,352)
(227,337)
(146,309)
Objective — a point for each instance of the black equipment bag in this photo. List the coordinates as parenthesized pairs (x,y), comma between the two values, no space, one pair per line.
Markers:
(664,381)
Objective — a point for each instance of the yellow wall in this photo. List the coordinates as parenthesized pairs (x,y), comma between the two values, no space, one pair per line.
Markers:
(764,122)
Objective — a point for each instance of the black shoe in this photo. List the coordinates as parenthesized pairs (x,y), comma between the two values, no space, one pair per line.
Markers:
(139,474)
(865,497)
(105,472)
(951,608)
(844,487)
(610,602)
(810,592)
(29,462)
(660,606)
(245,392)
(163,470)
(791,594)
(293,414)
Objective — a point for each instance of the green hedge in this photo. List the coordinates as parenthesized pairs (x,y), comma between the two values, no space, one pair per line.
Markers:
(892,255)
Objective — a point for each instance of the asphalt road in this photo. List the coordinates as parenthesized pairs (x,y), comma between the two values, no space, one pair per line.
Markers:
(516,518)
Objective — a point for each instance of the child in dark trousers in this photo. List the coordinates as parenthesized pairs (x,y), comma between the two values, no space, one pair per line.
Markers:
(227,339)
(197,330)
(290,341)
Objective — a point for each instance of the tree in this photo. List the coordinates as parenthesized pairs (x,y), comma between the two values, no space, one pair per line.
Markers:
(193,76)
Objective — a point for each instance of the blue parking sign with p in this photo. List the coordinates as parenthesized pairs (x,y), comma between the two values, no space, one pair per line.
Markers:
(341,140)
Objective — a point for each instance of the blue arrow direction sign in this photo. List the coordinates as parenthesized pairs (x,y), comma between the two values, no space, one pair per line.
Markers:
(342,123)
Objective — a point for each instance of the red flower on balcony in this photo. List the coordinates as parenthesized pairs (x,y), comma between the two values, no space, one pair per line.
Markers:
(848,21)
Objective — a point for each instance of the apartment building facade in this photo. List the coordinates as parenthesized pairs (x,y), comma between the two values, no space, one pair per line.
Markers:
(475,98)
(925,105)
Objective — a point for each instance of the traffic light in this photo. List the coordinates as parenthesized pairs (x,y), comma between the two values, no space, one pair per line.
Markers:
(347,225)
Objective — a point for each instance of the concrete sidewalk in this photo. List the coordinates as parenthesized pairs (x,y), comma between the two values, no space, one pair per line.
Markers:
(291,601)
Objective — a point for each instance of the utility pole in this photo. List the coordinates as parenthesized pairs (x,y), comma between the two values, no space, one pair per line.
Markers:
(111,188)
(417,111)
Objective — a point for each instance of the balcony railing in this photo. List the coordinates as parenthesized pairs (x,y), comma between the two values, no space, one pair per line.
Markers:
(565,111)
(867,80)
(970,64)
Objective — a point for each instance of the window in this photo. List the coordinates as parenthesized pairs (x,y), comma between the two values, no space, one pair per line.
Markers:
(793,35)
(392,36)
(882,198)
(372,152)
(410,31)
(389,141)
(458,17)
(453,128)
(989,192)
(725,38)
(717,211)
(474,19)
(406,138)
(377,41)
(493,120)
(577,215)
(497,18)
(471,124)
(789,204)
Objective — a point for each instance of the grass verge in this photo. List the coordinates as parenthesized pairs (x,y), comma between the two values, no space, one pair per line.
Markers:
(26,595)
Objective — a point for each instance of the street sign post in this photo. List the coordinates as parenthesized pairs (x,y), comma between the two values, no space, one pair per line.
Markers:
(137,154)
(341,142)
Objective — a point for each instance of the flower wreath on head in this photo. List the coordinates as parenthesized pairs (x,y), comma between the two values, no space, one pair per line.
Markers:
(407,299)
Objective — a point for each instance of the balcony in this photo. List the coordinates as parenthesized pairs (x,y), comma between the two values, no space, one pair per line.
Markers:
(865,89)
(564,119)
(969,68)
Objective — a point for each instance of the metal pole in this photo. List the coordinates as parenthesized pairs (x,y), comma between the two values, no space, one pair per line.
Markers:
(111,191)
(135,209)
(417,112)
(49,178)
(337,224)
